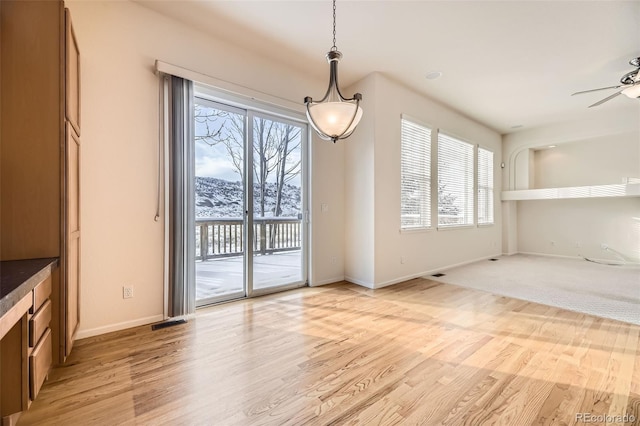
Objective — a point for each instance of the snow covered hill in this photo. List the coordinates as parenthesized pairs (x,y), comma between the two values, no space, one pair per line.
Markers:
(222,198)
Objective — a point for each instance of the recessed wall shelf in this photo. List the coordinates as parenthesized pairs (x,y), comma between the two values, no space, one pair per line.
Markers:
(595,191)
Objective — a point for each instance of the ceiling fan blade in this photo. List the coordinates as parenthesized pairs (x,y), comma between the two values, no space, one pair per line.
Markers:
(595,90)
(608,98)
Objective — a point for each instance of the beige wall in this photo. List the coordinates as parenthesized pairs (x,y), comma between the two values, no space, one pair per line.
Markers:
(121,243)
(603,150)
(375,150)
(359,188)
(605,125)
(595,161)
(579,227)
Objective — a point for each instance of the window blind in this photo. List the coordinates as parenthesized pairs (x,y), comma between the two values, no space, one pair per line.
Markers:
(415,176)
(181,235)
(455,182)
(485,187)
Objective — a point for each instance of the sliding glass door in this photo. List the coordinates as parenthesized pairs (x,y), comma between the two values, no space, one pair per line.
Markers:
(250,202)
(278,207)
(219,201)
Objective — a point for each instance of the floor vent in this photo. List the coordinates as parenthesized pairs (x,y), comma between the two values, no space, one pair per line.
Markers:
(438,275)
(494,259)
(168,324)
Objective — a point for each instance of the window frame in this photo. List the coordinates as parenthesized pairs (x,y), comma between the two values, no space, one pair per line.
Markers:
(428,179)
(492,200)
(472,210)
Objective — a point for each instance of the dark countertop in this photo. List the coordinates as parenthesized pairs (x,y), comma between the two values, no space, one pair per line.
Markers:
(19,277)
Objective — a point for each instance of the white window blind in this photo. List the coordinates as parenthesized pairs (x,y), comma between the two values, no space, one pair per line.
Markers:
(455,182)
(485,187)
(415,176)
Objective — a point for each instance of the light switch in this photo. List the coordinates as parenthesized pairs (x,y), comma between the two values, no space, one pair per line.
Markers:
(324,207)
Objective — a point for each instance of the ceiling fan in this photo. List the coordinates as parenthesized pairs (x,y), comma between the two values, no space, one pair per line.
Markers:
(630,85)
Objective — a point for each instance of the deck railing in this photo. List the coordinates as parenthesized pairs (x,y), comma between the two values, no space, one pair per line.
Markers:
(223,237)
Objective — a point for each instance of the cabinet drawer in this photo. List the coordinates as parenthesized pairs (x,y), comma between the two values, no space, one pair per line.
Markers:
(39,363)
(39,322)
(40,294)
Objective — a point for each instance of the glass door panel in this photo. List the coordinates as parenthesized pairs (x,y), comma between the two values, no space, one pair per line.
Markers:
(220,202)
(278,203)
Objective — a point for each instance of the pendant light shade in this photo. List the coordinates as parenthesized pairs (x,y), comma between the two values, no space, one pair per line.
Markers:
(334,119)
(334,116)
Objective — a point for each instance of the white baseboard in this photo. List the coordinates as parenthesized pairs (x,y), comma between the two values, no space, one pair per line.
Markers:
(359,282)
(466,262)
(83,334)
(563,256)
(327,281)
(424,274)
(403,279)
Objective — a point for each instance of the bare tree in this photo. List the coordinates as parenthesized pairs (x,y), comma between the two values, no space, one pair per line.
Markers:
(222,127)
(287,169)
(273,145)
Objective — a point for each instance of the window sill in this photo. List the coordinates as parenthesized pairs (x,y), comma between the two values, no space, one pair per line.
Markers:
(485,225)
(455,227)
(415,230)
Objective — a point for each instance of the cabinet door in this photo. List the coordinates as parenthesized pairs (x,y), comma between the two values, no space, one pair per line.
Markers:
(72,259)
(72,82)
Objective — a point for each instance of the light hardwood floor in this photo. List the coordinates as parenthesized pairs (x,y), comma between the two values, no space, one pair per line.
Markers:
(419,352)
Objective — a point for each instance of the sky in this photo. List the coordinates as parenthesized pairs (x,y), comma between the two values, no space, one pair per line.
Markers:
(215,161)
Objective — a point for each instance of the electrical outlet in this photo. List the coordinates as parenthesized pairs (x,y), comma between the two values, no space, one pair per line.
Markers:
(127,292)
(334,260)
(402,259)
(578,244)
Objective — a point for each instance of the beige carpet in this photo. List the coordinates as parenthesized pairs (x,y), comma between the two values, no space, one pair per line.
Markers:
(573,284)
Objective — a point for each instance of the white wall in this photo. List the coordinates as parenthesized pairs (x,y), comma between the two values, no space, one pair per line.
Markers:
(422,252)
(121,243)
(603,150)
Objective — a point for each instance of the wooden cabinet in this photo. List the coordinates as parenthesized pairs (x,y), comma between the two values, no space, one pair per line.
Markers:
(39,323)
(39,364)
(26,350)
(40,144)
(70,316)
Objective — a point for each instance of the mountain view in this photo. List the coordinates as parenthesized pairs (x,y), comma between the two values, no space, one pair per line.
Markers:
(223,198)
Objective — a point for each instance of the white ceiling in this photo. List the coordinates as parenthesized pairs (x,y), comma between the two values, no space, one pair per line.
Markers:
(504,63)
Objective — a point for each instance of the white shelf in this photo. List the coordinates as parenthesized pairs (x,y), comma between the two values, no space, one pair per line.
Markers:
(596,191)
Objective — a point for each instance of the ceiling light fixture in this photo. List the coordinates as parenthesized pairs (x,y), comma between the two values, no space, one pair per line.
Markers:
(334,116)
(633,91)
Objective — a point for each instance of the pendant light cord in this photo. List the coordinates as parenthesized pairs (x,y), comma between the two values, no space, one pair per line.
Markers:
(334,48)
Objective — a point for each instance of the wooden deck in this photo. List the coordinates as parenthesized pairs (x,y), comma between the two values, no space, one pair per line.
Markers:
(225,275)
(416,353)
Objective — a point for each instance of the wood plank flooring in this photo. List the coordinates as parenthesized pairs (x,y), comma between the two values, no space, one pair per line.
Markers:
(417,353)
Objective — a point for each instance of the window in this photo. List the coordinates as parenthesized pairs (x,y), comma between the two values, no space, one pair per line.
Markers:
(455,182)
(485,187)
(415,154)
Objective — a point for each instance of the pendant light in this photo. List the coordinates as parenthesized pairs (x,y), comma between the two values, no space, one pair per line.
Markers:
(334,116)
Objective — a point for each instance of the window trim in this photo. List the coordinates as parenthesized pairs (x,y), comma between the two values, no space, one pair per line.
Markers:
(432,130)
(493,186)
(474,184)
